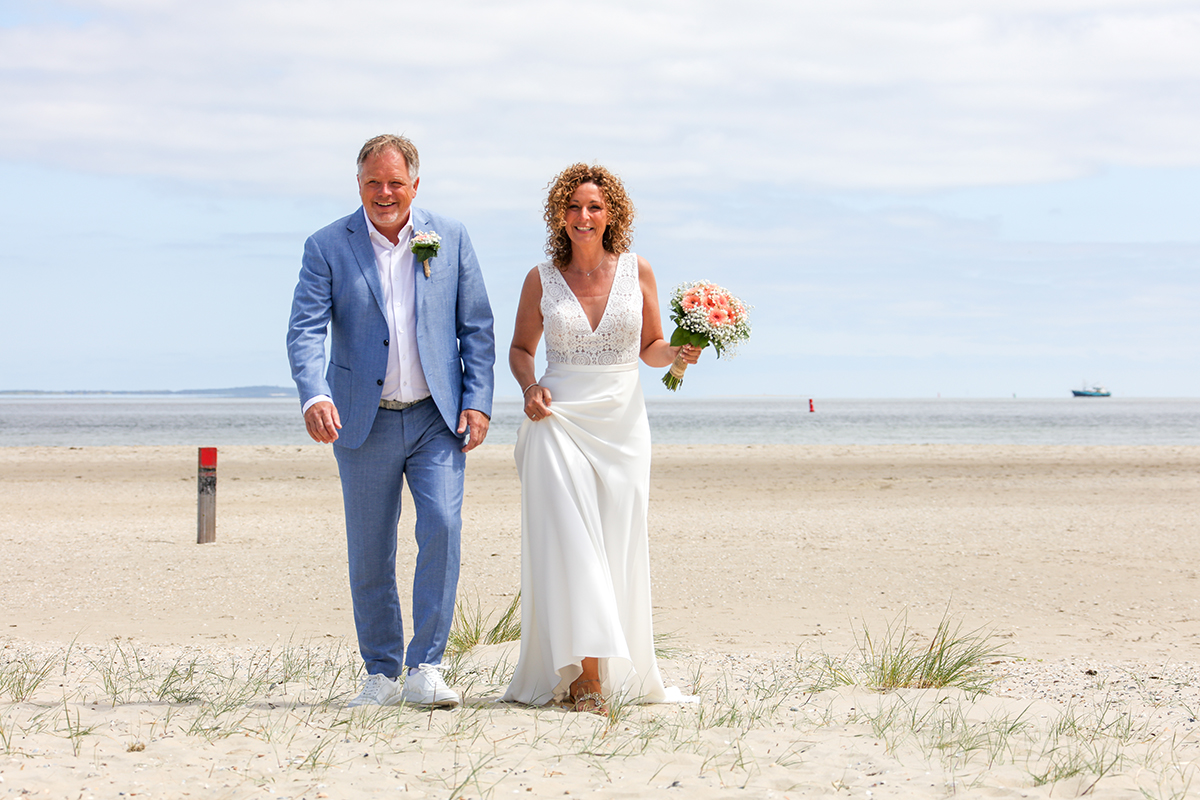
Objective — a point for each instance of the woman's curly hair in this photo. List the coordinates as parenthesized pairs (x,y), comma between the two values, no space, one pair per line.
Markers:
(618,236)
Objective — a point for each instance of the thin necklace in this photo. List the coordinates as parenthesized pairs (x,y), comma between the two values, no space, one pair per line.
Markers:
(598,263)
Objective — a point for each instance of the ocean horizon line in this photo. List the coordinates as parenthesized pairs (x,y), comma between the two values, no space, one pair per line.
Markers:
(232,391)
(286,392)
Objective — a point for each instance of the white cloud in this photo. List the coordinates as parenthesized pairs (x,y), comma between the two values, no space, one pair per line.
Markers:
(867,94)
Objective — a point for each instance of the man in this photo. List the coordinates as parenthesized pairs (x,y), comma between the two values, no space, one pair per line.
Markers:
(407,392)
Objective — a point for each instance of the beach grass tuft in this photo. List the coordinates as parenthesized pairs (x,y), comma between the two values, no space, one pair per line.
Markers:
(952,658)
(473,626)
(22,676)
(666,645)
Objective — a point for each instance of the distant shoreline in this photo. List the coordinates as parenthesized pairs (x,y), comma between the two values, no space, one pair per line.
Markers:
(237,391)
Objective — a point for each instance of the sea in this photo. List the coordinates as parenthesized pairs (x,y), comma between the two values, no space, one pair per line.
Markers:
(103,420)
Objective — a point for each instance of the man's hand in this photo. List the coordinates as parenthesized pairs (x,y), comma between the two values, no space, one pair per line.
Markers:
(322,421)
(477,423)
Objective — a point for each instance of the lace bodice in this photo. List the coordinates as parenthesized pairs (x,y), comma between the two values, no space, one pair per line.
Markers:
(569,336)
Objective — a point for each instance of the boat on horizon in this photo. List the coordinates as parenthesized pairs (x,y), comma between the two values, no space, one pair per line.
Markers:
(1091,391)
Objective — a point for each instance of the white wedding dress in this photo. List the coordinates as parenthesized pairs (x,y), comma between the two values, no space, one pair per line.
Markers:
(585,479)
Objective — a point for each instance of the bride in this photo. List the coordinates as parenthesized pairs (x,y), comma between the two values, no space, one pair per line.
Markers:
(583,454)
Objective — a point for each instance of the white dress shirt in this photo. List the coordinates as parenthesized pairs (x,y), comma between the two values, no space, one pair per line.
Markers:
(404,379)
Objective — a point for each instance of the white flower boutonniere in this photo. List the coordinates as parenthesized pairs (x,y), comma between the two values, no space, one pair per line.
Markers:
(425,246)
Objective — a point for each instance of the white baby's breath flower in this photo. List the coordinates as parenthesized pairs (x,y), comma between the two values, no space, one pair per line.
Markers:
(425,246)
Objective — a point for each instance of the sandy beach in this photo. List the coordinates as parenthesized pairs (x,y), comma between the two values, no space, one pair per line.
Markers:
(769,563)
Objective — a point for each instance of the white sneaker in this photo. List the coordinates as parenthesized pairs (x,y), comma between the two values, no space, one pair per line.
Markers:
(425,687)
(378,690)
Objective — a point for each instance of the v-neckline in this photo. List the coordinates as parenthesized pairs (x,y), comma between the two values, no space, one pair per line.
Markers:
(607,299)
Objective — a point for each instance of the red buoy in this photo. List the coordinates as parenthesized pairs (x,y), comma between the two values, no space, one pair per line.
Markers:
(810,405)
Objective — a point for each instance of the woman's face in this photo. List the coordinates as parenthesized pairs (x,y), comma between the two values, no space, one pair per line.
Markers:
(586,215)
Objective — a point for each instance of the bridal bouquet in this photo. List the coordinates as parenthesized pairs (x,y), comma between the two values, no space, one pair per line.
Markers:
(705,314)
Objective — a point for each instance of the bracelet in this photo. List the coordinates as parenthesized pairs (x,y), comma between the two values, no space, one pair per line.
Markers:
(527,388)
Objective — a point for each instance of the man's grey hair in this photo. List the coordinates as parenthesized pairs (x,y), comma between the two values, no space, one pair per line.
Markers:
(390,141)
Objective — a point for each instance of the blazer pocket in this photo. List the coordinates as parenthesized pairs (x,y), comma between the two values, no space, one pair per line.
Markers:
(439,270)
(341,386)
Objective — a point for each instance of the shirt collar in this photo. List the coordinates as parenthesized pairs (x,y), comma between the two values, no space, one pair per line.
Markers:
(379,239)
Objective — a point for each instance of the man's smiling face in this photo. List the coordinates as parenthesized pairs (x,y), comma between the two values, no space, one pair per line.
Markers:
(387,191)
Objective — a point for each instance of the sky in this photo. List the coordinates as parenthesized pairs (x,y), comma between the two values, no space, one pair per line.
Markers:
(918,199)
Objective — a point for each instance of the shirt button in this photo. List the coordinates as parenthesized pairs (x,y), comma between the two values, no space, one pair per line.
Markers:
(385,342)
(379,383)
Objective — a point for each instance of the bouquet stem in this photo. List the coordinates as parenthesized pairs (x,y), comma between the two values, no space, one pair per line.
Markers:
(674,376)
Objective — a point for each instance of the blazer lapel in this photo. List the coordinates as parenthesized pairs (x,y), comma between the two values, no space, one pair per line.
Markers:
(420,222)
(364,254)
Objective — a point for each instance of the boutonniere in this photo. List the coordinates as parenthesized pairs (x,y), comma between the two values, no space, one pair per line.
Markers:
(425,246)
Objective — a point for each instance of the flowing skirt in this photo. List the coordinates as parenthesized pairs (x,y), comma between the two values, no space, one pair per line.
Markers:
(585,562)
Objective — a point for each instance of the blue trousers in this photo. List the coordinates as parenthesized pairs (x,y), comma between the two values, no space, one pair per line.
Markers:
(415,443)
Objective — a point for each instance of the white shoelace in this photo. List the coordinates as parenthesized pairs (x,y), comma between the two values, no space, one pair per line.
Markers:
(374,687)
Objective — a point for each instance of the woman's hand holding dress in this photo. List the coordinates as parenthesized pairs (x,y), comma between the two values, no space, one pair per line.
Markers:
(537,402)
